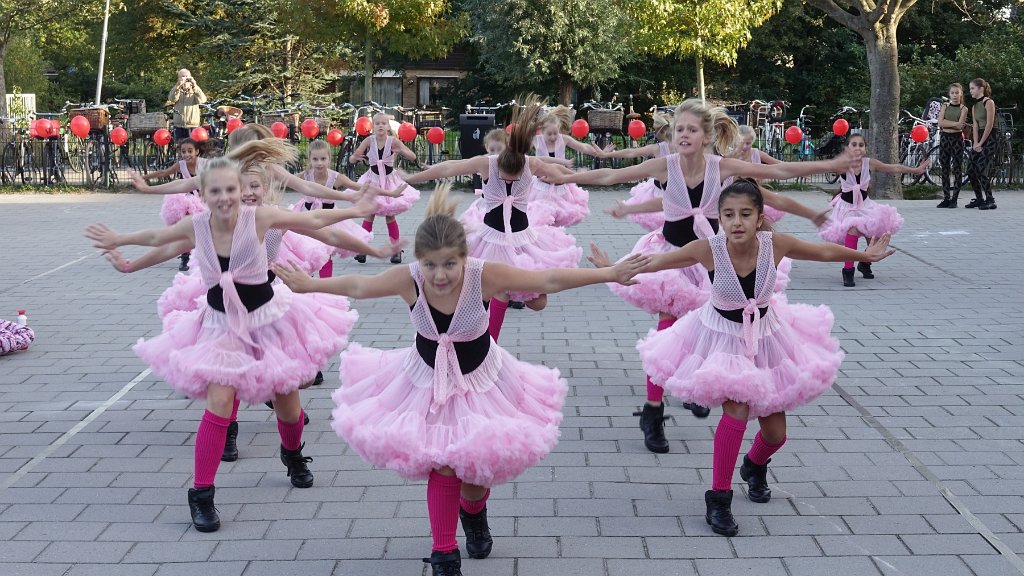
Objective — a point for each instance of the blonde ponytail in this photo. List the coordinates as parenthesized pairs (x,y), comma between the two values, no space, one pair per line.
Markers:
(512,160)
(715,122)
(269,150)
(440,230)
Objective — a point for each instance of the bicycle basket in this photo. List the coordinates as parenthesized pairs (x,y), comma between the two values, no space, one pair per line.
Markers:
(932,109)
(605,119)
(147,123)
(778,110)
(98,117)
(291,119)
(429,119)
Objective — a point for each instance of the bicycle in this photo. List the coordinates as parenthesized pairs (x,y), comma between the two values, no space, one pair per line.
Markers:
(831,145)
(18,160)
(54,154)
(605,119)
(912,153)
(768,122)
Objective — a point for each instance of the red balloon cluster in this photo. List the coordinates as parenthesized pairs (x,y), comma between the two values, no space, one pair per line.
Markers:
(162,137)
(335,137)
(279,129)
(435,135)
(794,134)
(406,132)
(636,129)
(43,128)
(119,136)
(840,127)
(80,126)
(234,123)
(364,126)
(310,128)
(580,128)
(919,133)
(199,134)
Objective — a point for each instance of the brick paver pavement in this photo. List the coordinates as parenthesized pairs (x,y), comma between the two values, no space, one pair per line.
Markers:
(911,465)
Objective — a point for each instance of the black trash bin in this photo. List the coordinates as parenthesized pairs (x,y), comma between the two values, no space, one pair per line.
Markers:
(472,129)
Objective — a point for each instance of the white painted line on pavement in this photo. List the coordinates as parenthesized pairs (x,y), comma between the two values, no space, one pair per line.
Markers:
(58,268)
(50,449)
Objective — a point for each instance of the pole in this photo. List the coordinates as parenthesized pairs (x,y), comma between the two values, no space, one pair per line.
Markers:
(103,52)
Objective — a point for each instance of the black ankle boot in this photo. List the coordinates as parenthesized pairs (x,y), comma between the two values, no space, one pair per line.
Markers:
(975,203)
(719,514)
(944,203)
(445,563)
(297,469)
(319,378)
(697,410)
(397,258)
(231,444)
(478,533)
(361,258)
(204,513)
(865,269)
(652,422)
(990,204)
(952,202)
(183,267)
(756,477)
(516,304)
(848,277)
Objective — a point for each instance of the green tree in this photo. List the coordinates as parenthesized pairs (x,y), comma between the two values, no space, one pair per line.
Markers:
(380,29)
(706,30)
(571,41)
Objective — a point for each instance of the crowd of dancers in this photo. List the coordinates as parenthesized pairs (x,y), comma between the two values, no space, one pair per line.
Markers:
(261,312)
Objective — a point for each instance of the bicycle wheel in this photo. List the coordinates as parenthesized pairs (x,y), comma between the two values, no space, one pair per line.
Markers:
(92,154)
(27,166)
(911,158)
(9,166)
(74,150)
(933,175)
(347,149)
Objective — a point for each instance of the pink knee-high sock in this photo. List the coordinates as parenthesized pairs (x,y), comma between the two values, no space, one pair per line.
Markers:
(393,230)
(475,506)
(496,311)
(728,438)
(851,243)
(761,451)
(213,432)
(234,409)
(443,494)
(291,432)
(328,270)
(368,225)
(656,393)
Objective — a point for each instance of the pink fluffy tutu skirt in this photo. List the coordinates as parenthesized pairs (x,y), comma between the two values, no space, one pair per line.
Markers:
(538,214)
(387,206)
(14,337)
(536,248)
(503,423)
(177,206)
(871,220)
(642,192)
(675,291)
(294,334)
(773,214)
(702,358)
(568,203)
(311,253)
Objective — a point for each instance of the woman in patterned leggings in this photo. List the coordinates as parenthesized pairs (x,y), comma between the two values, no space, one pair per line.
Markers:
(952,119)
(983,115)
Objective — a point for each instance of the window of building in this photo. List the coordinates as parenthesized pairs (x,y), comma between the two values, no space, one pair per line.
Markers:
(433,90)
(387,91)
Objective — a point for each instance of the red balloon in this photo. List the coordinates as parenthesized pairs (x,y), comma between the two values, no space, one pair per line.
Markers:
(199,134)
(794,134)
(279,129)
(435,135)
(39,128)
(54,129)
(919,133)
(162,137)
(510,128)
(636,129)
(840,127)
(335,137)
(310,129)
(32,131)
(407,132)
(119,136)
(234,123)
(80,126)
(364,126)
(580,128)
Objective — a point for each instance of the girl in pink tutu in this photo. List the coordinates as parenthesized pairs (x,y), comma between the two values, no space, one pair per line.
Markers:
(379,150)
(756,356)
(569,204)
(652,187)
(693,180)
(318,172)
(508,235)
(853,213)
(177,206)
(254,340)
(744,150)
(454,408)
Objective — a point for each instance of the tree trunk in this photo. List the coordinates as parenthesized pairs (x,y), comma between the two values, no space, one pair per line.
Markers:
(288,85)
(4,112)
(368,69)
(885,105)
(700,79)
(565,86)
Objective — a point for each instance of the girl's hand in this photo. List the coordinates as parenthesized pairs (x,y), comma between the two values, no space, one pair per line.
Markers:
(138,181)
(976,147)
(921,168)
(821,218)
(878,248)
(598,258)
(567,162)
(120,263)
(619,211)
(294,278)
(367,203)
(553,173)
(103,236)
(390,249)
(625,271)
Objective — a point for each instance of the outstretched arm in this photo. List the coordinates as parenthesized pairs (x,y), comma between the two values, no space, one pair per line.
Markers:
(314,219)
(346,241)
(698,252)
(787,204)
(173,187)
(654,168)
(152,258)
(767,158)
(786,245)
(879,166)
(307,188)
(166,172)
(649,151)
(578,146)
(450,169)
(399,147)
(106,238)
(499,278)
(621,208)
(395,281)
(782,170)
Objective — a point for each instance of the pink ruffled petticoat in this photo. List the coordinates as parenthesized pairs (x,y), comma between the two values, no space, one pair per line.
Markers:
(505,422)
(177,206)
(773,214)
(295,334)
(535,248)
(675,291)
(312,254)
(871,219)
(568,203)
(642,192)
(702,358)
(387,206)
